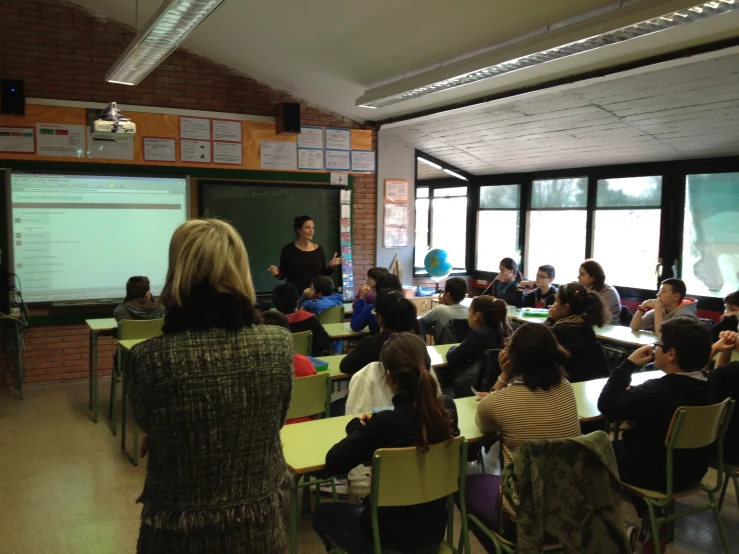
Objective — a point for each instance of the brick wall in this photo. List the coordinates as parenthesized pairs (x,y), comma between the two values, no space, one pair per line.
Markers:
(63,52)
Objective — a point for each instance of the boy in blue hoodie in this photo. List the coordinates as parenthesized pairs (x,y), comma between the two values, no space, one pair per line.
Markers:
(320,296)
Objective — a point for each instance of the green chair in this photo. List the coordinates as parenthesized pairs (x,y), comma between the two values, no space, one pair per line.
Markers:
(334,314)
(129,329)
(303,342)
(407,477)
(691,427)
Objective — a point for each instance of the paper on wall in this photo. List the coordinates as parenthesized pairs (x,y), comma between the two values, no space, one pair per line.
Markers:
(363,160)
(195,151)
(310,137)
(345,197)
(160,149)
(196,128)
(55,139)
(338,159)
(17,139)
(338,139)
(310,159)
(278,155)
(226,130)
(227,153)
(346,210)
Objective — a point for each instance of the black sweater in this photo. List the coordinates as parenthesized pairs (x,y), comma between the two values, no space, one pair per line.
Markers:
(302,321)
(530,299)
(505,291)
(299,267)
(587,359)
(401,528)
(367,351)
(475,343)
(725,381)
(650,406)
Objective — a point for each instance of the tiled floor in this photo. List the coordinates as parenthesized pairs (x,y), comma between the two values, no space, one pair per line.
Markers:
(66,488)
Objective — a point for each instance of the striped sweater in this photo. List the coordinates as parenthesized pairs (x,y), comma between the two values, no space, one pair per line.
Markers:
(611,304)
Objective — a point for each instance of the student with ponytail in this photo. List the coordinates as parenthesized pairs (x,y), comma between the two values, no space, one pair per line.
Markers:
(420,418)
(573,315)
(507,281)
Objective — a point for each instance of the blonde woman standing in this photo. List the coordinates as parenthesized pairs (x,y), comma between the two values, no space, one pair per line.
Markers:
(212,393)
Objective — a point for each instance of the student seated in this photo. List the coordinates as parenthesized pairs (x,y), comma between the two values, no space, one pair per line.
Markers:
(532,399)
(730,318)
(420,418)
(138,304)
(725,381)
(285,299)
(301,364)
(367,293)
(591,275)
(489,329)
(395,314)
(363,316)
(670,302)
(544,293)
(683,351)
(449,308)
(506,282)
(320,296)
(572,316)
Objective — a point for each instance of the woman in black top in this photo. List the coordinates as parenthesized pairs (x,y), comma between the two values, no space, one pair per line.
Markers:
(395,314)
(302,260)
(420,418)
(507,281)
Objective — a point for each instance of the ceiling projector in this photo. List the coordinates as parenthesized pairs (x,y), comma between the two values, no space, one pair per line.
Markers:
(112,126)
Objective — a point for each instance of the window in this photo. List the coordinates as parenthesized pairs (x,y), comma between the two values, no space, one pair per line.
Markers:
(710,250)
(556,226)
(627,228)
(497,226)
(441,222)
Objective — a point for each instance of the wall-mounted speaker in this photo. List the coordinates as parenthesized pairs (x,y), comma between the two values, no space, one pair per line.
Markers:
(12,96)
(287,117)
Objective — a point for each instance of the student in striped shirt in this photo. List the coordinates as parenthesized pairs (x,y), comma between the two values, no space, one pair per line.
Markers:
(531,399)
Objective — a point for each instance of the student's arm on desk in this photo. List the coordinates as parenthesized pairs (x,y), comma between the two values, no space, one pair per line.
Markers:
(361,315)
(358,446)
(363,354)
(484,415)
(467,351)
(617,400)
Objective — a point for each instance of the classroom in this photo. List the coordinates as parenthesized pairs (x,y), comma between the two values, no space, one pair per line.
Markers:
(345,277)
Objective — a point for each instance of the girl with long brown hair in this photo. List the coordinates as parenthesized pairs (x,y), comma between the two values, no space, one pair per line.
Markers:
(419,418)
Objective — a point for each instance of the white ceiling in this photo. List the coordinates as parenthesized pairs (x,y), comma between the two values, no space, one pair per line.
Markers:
(329,52)
(687,110)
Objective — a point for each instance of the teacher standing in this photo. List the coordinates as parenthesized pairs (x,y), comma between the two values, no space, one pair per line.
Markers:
(302,260)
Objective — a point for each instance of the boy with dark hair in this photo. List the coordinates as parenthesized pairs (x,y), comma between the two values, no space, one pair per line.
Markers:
(683,351)
(363,316)
(545,293)
(367,292)
(285,298)
(730,318)
(725,381)
(138,304)
(320,296)
(449,307)
(670,302)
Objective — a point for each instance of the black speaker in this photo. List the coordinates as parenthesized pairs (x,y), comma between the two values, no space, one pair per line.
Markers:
(12,96)
(287,117)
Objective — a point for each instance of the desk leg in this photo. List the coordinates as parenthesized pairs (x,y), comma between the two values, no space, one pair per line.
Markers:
(294,514)
(94,376)
(19,353)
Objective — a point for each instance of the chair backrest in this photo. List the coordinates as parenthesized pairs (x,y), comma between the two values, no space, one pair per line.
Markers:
(490,371)
(587,362)
(406,477)
(454,332)
(697,426)
(303,342)
(335,314)
(129,329)
(310,396)
(625,316)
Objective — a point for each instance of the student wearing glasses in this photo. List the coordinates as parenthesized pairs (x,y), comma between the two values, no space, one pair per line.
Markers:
(545,293)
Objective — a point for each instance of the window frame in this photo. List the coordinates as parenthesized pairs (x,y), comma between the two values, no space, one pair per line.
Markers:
(476,215)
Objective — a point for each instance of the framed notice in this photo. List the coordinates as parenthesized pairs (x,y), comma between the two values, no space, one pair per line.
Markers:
(17,139)
(195,128)
(160,149)
(396,191)
(308,158)
(55,139)
(338,160)
(363,160)
(226,130)
(227,153)
(310,137)
(338,139)
(195,151)
(275,154)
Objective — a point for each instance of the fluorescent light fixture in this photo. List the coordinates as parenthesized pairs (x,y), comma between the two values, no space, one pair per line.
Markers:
(163,33)
(457,175)
(368,106)
(664,22)
(432,164)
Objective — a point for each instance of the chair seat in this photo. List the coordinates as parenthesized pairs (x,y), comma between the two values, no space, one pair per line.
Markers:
(656,495)
(727,466)
(548,546)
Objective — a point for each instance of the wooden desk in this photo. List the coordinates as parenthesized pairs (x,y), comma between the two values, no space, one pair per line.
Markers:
(17,322)
(609,333)
(588,392)
(105,326)
(338,331)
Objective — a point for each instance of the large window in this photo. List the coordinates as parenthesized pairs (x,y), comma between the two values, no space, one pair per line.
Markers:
(497,226)
(710,250)
(556,226)
(627,226)
(443,226)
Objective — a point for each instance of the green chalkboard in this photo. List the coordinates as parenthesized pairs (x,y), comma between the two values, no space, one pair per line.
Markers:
(263,214)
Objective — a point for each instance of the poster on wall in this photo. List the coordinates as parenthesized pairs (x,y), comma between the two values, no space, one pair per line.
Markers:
(338,160)
(227,153)
(278,155)
(363,160)
(396,191)
(160,149)
(195,128)
(310,159)
(338,139)
(395,226)
(17,139)
(196,151)
(226,130)
(54,139)
(310,137)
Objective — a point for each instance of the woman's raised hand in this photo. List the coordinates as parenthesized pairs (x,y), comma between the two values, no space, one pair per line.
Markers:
(274,270)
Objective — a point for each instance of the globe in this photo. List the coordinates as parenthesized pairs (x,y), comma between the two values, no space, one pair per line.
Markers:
(437,265)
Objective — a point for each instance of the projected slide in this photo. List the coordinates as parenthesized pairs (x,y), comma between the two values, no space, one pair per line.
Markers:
(80,237)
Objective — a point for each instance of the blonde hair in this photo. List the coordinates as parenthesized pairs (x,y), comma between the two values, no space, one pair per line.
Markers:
(208,252)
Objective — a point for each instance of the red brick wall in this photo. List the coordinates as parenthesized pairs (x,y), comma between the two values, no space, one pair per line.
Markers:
(63,52)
